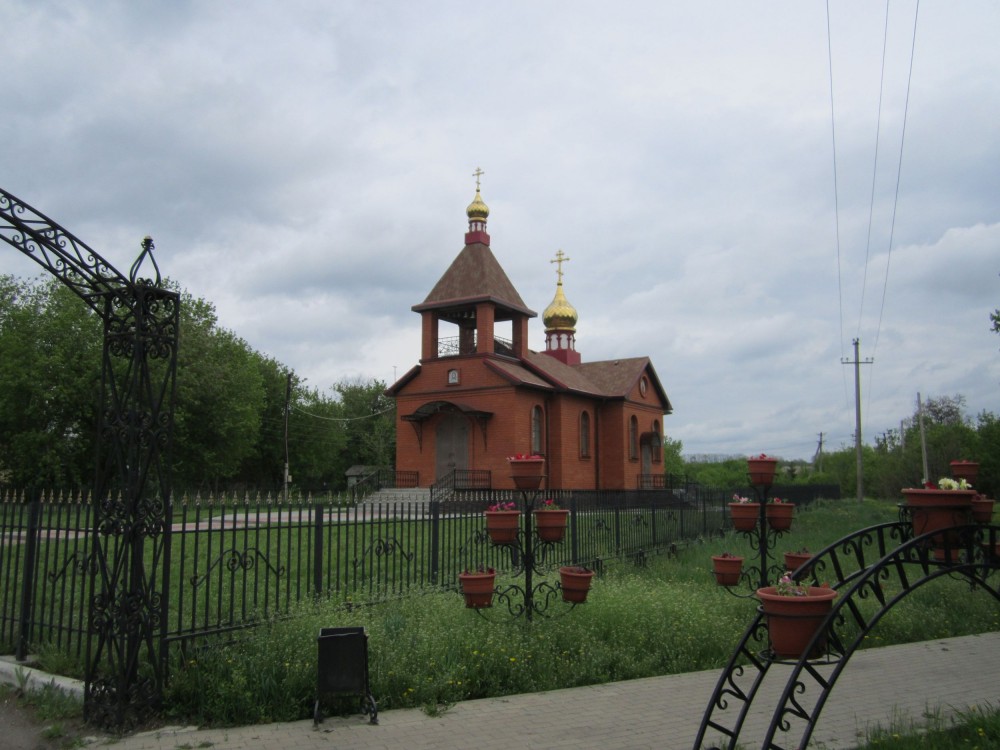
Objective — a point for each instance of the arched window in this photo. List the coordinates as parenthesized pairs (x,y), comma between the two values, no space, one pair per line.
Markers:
(536,429)
(585,435)
(633,438)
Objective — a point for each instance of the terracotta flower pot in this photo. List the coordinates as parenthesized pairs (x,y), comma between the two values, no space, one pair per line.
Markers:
(575,583)
(526,472)
(727,569)
(762,470)
(796,560)
(502,525)
(932,510)
(477,588)
(779,515)
(793,620)
(982,509)
(744,515)
(967,470)
(551,524)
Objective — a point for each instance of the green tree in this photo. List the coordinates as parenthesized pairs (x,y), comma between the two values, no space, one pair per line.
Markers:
(220,399)
(369,420)
(50,354)
(673,462)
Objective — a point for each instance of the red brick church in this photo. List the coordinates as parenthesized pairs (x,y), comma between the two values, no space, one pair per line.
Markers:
(479,394)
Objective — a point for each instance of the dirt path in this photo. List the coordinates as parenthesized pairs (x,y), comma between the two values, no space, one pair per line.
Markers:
(21,730)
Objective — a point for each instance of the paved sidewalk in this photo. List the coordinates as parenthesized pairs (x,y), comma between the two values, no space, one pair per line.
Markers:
(897,684)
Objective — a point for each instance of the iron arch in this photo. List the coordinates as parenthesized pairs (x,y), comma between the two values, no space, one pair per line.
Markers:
(131,493)
(864,565)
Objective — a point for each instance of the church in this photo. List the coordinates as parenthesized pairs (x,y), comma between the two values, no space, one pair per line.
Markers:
(479,394)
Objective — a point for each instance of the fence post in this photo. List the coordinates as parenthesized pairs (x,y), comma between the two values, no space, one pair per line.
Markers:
(574,529)
(317,549)
(28,582)
(435,566)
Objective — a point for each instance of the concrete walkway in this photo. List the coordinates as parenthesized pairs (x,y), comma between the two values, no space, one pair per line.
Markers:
(892,686)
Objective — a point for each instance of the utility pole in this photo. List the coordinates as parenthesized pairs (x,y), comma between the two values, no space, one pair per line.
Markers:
(857,362)
(818,458)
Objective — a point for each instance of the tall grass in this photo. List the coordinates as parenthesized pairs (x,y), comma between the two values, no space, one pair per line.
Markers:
(427,649)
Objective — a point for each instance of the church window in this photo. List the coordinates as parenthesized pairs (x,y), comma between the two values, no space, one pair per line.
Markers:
(585,435)
(633,438)
(536,429)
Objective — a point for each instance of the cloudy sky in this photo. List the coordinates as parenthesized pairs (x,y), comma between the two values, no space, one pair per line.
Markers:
(306,166)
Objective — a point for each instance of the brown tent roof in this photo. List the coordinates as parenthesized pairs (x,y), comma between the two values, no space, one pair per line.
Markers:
(608,379)
(475,276)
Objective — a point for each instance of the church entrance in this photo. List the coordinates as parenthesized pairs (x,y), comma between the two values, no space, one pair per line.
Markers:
(451,439)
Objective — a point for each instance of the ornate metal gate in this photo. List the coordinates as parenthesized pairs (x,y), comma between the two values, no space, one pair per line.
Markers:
(131,536)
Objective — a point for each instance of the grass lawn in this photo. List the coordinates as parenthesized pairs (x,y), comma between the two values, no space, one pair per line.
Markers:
(426,649)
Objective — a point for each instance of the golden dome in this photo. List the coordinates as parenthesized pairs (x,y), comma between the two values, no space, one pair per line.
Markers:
(477,210)
(560,314)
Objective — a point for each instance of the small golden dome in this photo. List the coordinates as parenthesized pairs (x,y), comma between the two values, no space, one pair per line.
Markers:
(560,314)
(477,210)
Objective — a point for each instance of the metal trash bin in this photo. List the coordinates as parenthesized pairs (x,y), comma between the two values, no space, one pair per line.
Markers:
(343,668)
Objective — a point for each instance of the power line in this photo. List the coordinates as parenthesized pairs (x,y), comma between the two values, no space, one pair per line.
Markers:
(342,419)
(871,201)
(836,198)
(899,171)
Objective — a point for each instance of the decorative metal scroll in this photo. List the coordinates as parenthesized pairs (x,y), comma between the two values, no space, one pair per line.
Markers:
(126,655)
(867,565)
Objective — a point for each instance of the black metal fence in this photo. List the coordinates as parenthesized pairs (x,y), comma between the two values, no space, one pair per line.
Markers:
(236,561)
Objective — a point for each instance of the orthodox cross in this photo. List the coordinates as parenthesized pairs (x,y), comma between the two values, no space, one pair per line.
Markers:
(477,174)
(561,258)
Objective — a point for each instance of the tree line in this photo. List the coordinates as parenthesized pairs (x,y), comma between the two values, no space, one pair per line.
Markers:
(893,462)
(232,403)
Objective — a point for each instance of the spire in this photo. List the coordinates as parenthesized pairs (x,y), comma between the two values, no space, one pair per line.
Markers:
(477,213)
(560,321)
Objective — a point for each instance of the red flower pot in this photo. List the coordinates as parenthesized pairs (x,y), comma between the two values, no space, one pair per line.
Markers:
(727,569)
(793,620)
(502,525)
(575,583)
(551,524)
(526,472)
(967,470)
(744,515)
(982,509)
(796,560)
(779,515)
(477,588)
(932,510)
(762,470)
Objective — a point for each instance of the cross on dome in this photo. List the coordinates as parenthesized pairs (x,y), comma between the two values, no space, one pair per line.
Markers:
(561,258)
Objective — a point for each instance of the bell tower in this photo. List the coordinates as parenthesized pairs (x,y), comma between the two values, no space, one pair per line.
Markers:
(471,298)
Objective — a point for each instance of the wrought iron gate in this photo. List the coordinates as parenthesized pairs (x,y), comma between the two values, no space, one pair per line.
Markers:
(132,478)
